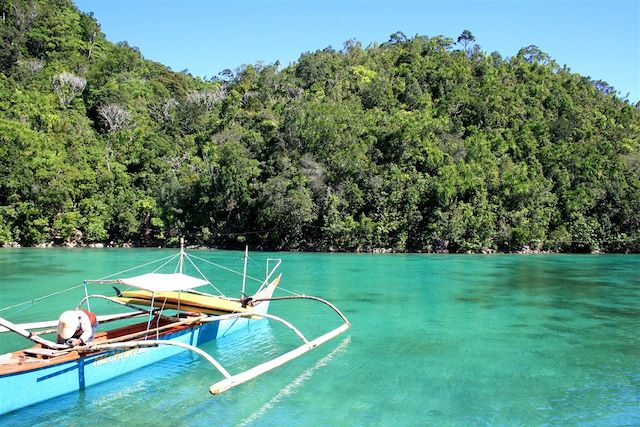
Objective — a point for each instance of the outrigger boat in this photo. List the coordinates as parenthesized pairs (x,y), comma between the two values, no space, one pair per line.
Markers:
(174,317)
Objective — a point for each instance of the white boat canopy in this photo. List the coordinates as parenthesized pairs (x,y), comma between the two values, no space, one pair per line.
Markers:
(157,282)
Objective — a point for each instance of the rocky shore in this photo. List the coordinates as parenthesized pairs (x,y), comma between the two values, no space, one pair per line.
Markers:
(526,250)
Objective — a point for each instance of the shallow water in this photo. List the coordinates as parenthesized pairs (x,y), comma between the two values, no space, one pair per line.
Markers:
(436,340)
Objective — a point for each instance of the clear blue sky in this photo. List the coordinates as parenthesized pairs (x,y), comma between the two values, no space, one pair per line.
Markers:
(600,39)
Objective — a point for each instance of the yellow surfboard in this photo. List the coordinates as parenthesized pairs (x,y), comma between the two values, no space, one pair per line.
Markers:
(184,301)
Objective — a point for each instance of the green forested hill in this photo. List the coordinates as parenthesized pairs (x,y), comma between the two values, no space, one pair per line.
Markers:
(416,144)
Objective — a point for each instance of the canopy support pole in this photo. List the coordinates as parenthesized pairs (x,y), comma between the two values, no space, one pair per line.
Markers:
(86,295)
(181,254)
(153,298)
(244,271)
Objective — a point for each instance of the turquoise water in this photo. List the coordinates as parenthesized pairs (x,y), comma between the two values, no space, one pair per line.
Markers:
(436,340)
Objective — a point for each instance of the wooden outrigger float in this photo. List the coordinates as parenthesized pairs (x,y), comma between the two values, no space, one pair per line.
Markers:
(173,317)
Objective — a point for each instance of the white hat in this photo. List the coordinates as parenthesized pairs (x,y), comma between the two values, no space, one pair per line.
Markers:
(68,324)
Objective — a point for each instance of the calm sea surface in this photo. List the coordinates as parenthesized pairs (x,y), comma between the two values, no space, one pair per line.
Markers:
(436,340)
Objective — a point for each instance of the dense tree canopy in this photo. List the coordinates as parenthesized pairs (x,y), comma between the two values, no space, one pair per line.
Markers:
(416,144)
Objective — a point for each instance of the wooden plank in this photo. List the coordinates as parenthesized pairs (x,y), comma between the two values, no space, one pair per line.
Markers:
(35,351)
(29,335)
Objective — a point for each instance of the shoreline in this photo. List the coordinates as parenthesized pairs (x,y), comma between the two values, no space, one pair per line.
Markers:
(526,250)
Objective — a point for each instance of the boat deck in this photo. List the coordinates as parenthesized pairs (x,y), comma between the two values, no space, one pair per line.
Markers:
(40,356)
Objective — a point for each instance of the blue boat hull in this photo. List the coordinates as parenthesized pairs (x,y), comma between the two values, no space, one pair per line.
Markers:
(26,388)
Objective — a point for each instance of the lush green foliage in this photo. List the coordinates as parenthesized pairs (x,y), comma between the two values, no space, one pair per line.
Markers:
(417,144)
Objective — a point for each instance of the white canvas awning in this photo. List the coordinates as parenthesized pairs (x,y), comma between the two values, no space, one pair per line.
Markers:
(157,282)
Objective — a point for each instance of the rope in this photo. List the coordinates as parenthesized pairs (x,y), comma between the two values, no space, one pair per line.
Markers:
(201,274)
(41,298)
(225,268)
(35,300)
(289,292)
(169,258)
(167,262)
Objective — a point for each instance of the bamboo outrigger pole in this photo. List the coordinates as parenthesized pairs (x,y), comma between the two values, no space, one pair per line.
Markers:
(53,323)
(232,381)
(250,374)
(30,335)
(156,343)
